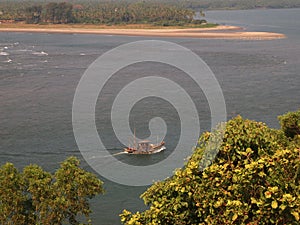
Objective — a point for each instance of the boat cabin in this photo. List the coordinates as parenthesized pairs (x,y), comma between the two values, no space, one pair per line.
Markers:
(144,146)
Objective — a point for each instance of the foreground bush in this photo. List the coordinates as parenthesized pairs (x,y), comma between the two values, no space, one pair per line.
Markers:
(253,180)
(38,197)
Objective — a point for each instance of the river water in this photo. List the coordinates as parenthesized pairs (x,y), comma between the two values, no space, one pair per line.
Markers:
(39,74)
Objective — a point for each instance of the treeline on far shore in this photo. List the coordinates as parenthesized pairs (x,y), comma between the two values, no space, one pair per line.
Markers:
(193,4)
(237,4)
(109,12)
(98,13)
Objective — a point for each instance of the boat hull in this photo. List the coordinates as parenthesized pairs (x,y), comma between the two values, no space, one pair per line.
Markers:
(155,149)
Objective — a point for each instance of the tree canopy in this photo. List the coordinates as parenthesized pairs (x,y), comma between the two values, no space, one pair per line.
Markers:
(98,12)
(157,12)
(255,179)
(290,124)
(35,196)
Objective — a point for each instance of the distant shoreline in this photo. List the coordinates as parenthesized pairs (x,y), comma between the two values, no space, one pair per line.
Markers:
(218,32)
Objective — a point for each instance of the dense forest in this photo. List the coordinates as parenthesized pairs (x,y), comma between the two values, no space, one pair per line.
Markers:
(194,4)
(98,13)
(236,4)
(157,12)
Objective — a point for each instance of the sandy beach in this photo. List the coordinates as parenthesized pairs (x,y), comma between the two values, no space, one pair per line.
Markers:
(219,32)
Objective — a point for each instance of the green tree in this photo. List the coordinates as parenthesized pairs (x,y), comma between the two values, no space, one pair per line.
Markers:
(50,15)
(255,179)
(65,12)
(34,14)
(59,12)
(38,197)
(290,123)
(12,200)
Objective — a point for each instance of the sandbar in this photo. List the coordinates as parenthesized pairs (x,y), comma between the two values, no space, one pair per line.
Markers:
(218,32)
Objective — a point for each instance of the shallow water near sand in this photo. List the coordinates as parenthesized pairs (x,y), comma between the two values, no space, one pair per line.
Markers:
(39,74)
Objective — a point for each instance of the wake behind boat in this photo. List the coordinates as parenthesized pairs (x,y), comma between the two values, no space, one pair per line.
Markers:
(145,148)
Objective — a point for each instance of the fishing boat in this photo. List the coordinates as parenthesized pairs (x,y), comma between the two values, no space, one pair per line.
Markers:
(146,148)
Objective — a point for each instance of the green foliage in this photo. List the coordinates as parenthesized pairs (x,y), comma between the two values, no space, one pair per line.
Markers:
(50,13)
(58,13)
(237,4)
(255,179)
(131,11)
(33,14)
(99,12)
(12,200)
(290,123)
(38,197)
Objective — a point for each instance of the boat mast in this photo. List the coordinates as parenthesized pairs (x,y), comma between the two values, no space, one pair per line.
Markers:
(134,140)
